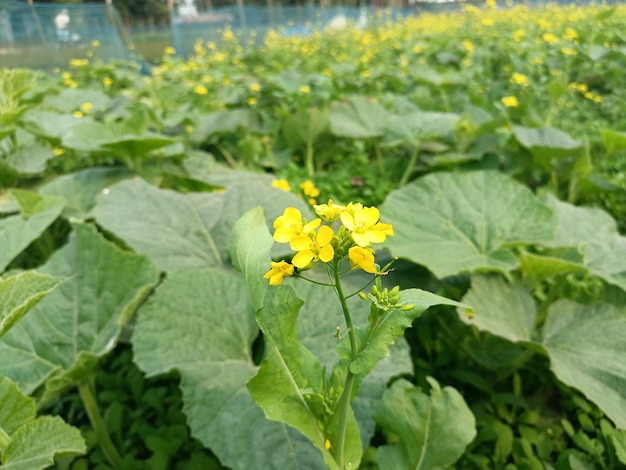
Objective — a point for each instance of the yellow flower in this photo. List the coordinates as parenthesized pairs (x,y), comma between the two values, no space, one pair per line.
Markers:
(568,51)
(519,79)
(518,35)
(77,114)
(252,101)
(488,22)
(58,151)
(329,212)
(550,38)
(305,89)
(327,444)
(313,247)
(510,101)
(107,81)
(467,44)
(95,43)
(200,90)
(281,184)
(365,227)
(278,271)
(291,225)
(570,34)
(169,50)
(79,62)
(86,107)
(309,189)
(228,35)
(255,87)
(362,258)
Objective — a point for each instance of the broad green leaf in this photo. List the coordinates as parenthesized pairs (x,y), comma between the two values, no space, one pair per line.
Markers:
(210,310)
(614,141)
(420,125)
(71,99)
(48,124)
(547,144)
(33,441)
(62,338)
(174,230)
(250,250)
(357,117)
(81,189)
(34,445)
(501,308)
(457,222)
(305,126)
(618,438)
(289,386)
(30,160)
(375,347)
(594,233)
(228,121)
(587,346)
(432,431)
(20,293)
(16,408)
(18,231)
(551,264)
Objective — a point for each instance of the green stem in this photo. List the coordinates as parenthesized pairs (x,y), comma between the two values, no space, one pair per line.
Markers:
(99,426)
(379,158)
(409,168)
(346,395)
(515,365)
(5,440)
(310,168)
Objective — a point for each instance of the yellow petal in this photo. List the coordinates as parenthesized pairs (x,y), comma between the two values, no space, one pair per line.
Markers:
(327,253)
(302,259)
(276,279)
(301,243)
(308,228)
(347,220)
(325,235)
(360,239)
(283,235)
(374,236)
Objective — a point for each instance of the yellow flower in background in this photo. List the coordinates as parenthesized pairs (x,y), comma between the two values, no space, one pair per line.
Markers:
(510,102)
(309,189)
(228,35)
(313,247)
(79,62)
(200,90)
(570,34)
(467,44)
(365,227)
(255,87)
(329,212)
(568,51)
(169,50)
(107,81)
(95,43)
(291,225)
(519,79)
(550,38)
(86,107)
(58,151)
(77,114)
(491,4)
(362,258)
(518,35)
(252,101)
(488,22)
(281,184)
(278,271)
(305,89)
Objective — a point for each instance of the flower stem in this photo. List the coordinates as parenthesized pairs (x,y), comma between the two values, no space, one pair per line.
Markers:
(346,395)
(5,440)
(409,168)
(310,168)
(99,426)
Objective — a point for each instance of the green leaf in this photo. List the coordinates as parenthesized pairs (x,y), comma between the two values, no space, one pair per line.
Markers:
(60,341)
(71,99)
(357,117)
(613,140)
(30,160)
(618,438)
(503,309)
(18,231)
(305,126)
(35,444)
(420,125)
(552,264)
(228,121)
(210,310)
(547,144)
(587,345)
(20,293)
(81,189)
(175,230)
(289,386)
(48,124)
(250,249)
(457,222)
(391,327)
(432,432)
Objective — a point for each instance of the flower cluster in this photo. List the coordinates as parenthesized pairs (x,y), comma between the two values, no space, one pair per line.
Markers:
(337,232)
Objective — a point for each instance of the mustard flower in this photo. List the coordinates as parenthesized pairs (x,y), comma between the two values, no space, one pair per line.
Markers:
(77,114)
(255,87)
(107,81)
(550,38)
(200,90)
(362,258)
(519,79)
(281,184)
(313,247)
(510,102)
(95,43)
(291,224)
(278,271)
(169,50)
(365,227)
(305,89)
(309,189)
(252,101)
(329,212)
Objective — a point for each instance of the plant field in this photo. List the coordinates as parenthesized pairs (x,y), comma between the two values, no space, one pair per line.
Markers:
(394,247)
